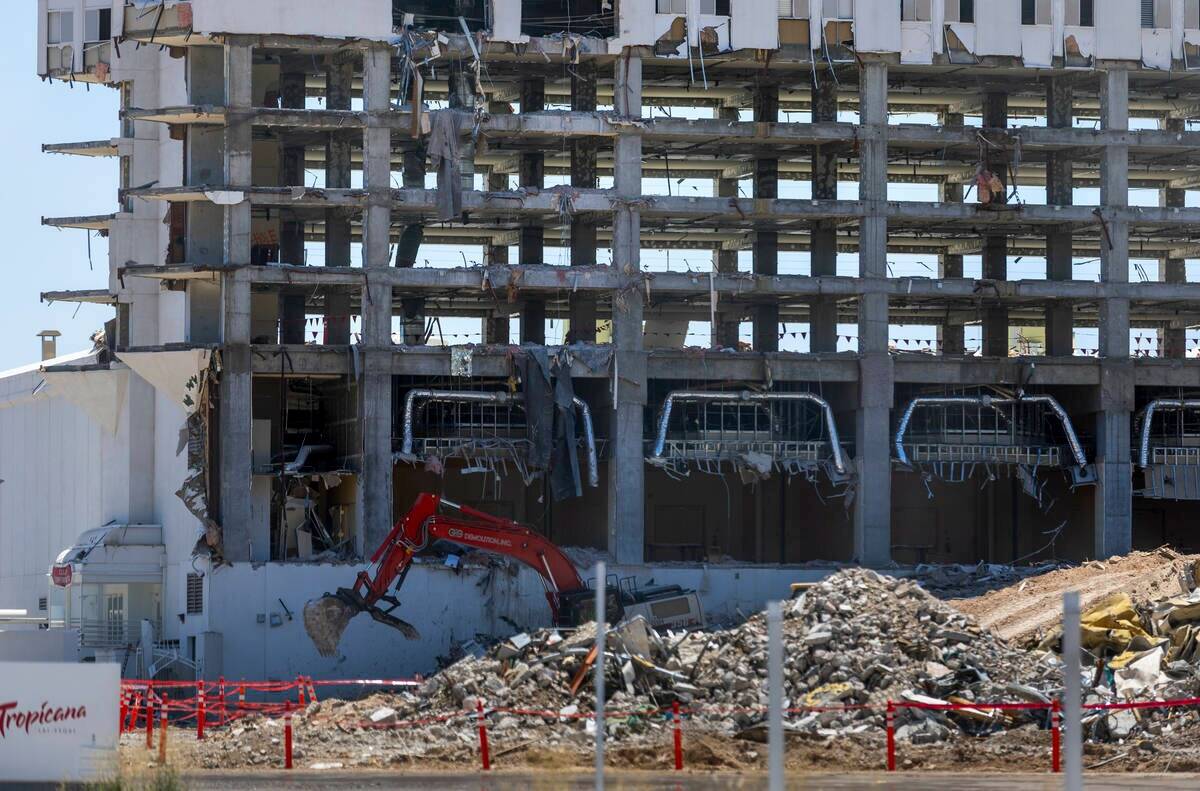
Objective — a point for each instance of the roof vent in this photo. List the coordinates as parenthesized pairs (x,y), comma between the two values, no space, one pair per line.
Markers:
(49,343)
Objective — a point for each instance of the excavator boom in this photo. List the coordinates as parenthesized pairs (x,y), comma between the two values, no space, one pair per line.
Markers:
(326,618)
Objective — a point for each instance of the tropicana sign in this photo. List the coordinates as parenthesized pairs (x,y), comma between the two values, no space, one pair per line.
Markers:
(26,720)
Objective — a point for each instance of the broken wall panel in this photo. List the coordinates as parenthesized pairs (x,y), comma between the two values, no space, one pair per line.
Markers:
(1079,46)
(1156,48)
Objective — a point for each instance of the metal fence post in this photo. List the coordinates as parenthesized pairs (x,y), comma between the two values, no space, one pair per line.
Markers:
(1072,693)
(601,635)
(775,744)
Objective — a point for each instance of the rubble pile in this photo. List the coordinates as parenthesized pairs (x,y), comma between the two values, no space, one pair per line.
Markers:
(855,638)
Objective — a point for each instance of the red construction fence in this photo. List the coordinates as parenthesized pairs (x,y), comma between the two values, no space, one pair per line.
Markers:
(200,706)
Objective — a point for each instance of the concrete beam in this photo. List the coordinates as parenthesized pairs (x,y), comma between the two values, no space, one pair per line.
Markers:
(703,212)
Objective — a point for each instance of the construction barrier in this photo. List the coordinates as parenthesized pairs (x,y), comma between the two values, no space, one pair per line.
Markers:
(219,704)
(484,757)
(287,738)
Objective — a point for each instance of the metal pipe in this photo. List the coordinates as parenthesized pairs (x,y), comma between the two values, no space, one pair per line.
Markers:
(1147,415)
(660,441)
(993,403)
(589,438)
(501,397)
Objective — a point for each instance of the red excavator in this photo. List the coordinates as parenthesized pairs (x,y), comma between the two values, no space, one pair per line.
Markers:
(571,601)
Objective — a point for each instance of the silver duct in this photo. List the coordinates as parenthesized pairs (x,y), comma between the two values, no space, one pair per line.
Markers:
(1147,415)
(503,398)
(839,462)
(989,402)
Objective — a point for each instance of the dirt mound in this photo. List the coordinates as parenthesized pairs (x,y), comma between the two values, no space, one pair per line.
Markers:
(1025,610)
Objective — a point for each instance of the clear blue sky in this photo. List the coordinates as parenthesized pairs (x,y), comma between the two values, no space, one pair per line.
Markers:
(37,258)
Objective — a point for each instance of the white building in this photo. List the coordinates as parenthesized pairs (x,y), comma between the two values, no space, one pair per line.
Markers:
(258,140)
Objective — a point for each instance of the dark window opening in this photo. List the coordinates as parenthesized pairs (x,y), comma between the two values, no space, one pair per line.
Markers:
(1087,13)
(1028,12)
(105,24)
(966,10)
(583,17)
(538,17)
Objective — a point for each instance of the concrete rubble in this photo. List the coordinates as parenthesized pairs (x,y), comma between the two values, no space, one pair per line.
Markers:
(856,638)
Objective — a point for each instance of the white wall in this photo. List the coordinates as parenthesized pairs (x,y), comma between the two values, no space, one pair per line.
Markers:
(39,645)
(368,19)
(1118,30)
(442,605)
(61,477)
(877,26)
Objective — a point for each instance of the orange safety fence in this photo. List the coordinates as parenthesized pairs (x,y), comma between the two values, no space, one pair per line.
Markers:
(218,704)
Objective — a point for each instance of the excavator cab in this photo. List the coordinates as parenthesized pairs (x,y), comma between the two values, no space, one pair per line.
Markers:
(663,606)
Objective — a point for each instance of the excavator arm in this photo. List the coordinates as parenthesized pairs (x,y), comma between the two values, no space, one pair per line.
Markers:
(326,618)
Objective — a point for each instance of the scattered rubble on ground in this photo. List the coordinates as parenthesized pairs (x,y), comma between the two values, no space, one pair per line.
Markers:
(852,642)
(961,580)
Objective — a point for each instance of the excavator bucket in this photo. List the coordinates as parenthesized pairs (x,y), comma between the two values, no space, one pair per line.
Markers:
(326,618)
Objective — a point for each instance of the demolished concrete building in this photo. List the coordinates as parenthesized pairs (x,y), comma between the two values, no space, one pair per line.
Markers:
(830,281)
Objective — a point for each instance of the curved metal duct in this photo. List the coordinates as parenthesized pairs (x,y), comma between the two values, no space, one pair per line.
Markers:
(1147,415)
(989,402)
(748,396)
(504,398)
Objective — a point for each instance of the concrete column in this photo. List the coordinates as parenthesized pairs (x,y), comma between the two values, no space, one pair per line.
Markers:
(950,265)
(235,412)
(995,248)
(823,311)
(626,465)
(1060,191)
(873,503)
(766,243)
(1114,493)
(497,327)
(291,227)
(583,229)
(1174,270)
(532,247)
(339,85)
(375,384)
(377,181)
(725,260)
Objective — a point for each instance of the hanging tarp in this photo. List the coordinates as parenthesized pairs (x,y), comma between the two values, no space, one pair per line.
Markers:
(175,374)
(100,394)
